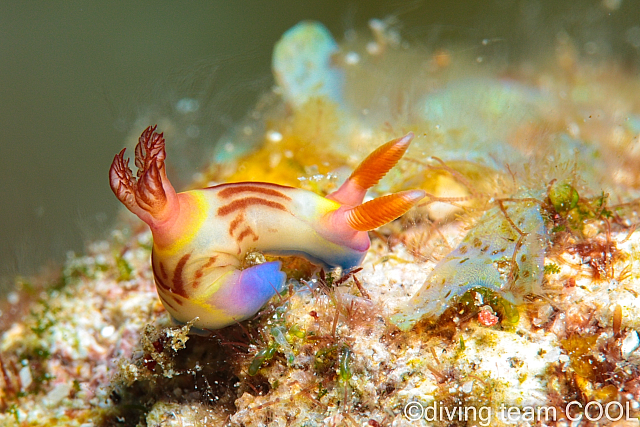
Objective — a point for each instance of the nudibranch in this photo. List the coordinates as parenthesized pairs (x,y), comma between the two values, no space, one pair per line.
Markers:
(201,237)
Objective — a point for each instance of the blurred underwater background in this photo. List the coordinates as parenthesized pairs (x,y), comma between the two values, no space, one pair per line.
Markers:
(80,78)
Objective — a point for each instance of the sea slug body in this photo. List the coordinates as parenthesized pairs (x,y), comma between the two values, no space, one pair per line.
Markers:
(201,237)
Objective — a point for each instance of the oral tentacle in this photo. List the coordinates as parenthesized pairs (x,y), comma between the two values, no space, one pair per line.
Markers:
(382,210)
(371,170)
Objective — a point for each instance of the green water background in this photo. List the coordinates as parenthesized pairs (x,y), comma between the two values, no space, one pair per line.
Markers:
(76,77)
